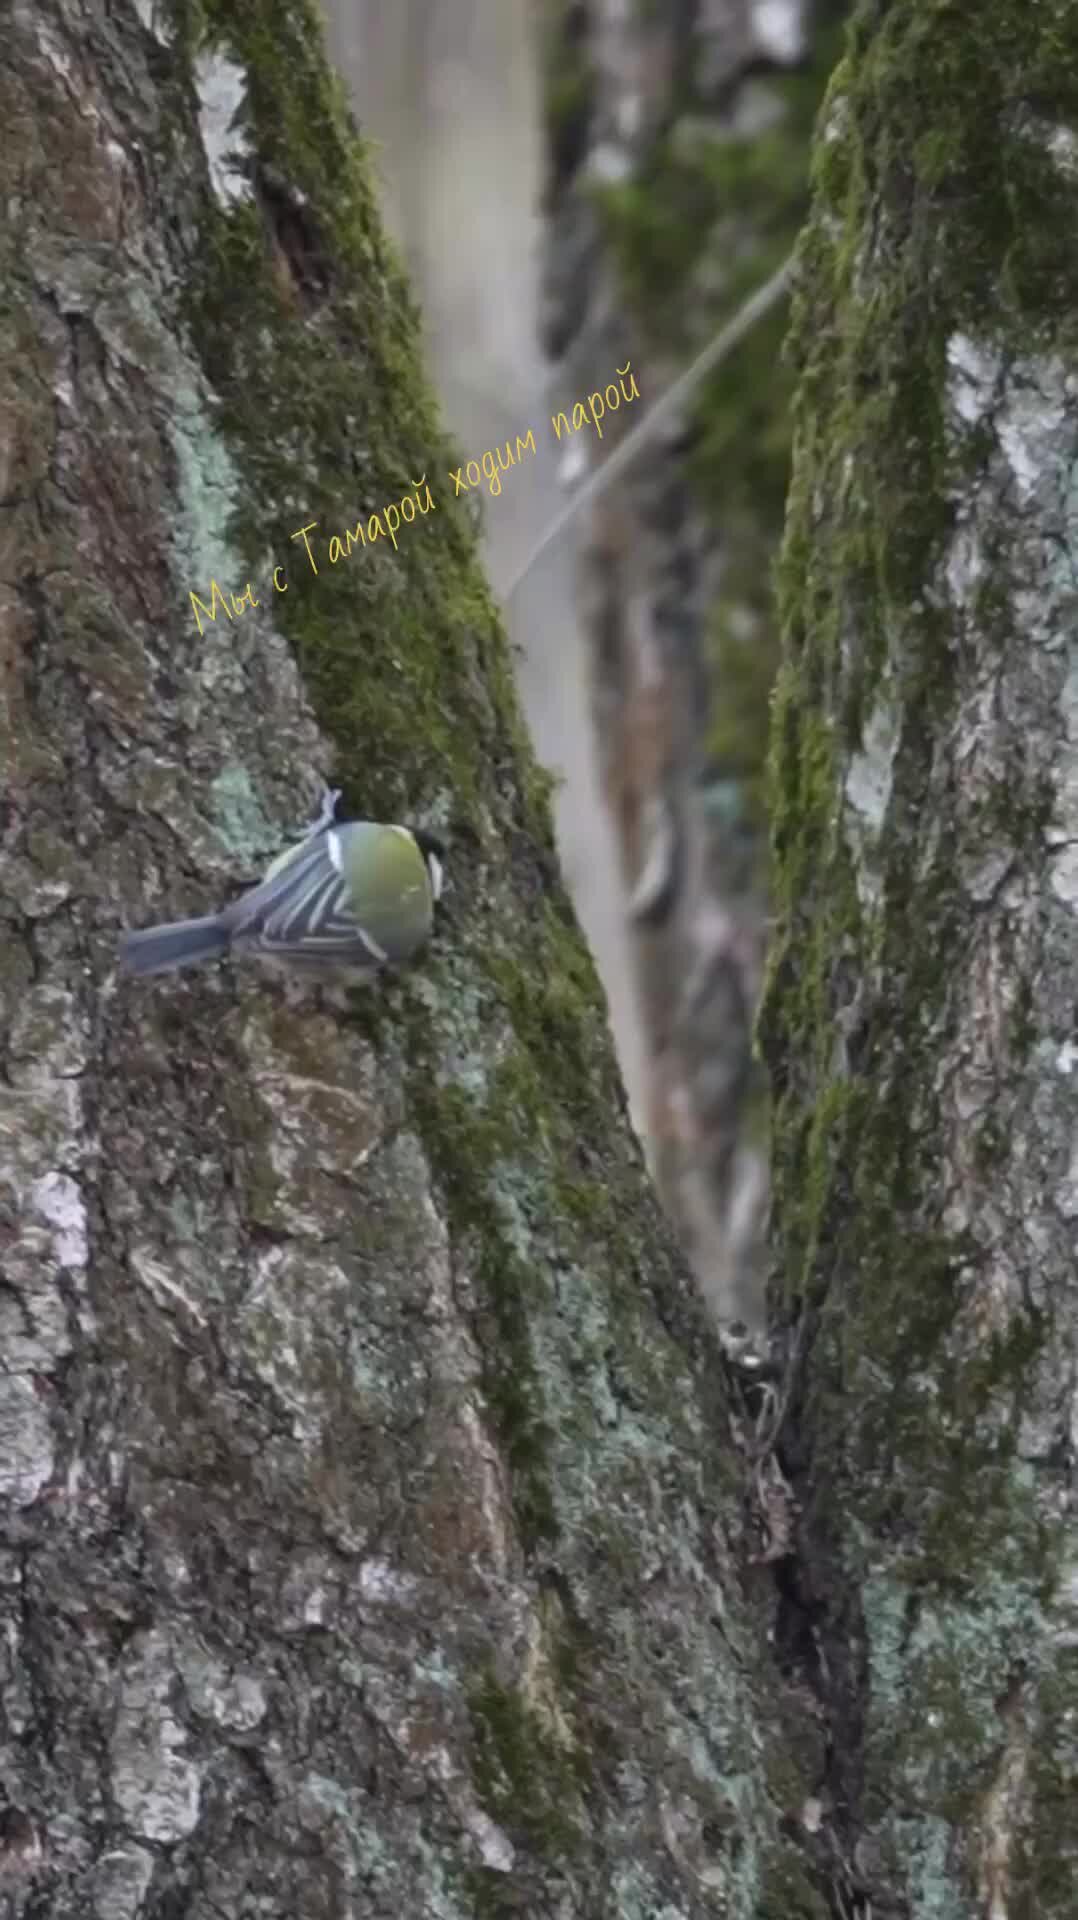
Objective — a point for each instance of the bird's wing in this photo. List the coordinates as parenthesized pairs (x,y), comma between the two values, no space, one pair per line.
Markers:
(302,903)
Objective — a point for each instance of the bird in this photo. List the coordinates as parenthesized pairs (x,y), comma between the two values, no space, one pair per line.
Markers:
(352,896)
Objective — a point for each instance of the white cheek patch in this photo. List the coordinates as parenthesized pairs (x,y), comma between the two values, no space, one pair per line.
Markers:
(435,876)
(333,848)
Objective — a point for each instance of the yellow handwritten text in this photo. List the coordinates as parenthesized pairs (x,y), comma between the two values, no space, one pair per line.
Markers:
(389,520)
(494,464)
(383,525)
(234,612)
(589,413)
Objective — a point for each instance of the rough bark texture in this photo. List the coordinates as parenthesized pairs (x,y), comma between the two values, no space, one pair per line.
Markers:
(679,157)
(920,1016)
(367,1520)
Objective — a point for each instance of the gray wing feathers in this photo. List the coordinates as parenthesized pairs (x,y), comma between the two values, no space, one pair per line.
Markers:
(312,910)
(247,914)
(304,905)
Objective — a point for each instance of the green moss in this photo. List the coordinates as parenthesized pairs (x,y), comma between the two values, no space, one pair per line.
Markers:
(869,404)
(488,1894)
(553,1013)
(286,388)
(788,1893)
(529,1784)
(324,402)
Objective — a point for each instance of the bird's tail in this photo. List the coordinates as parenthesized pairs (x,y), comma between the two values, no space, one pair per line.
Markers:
(181,943)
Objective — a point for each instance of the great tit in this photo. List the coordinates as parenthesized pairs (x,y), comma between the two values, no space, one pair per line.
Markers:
(354,896)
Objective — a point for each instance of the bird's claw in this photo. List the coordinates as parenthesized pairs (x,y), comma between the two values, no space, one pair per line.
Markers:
(327,810)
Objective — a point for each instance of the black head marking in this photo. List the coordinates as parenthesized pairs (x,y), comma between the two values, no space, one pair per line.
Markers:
(428,843)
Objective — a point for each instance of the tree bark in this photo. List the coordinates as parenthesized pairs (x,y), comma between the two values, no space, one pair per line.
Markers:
(919,1022)
(372,1540)
(369,1529)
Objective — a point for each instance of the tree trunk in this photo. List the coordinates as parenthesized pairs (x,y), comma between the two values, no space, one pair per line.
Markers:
(920,1018)
(368,1524)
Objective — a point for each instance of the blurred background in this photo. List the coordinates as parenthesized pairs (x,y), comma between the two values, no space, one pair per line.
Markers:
(576,185)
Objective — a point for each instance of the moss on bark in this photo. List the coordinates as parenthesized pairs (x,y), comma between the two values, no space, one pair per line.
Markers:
(940,237)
